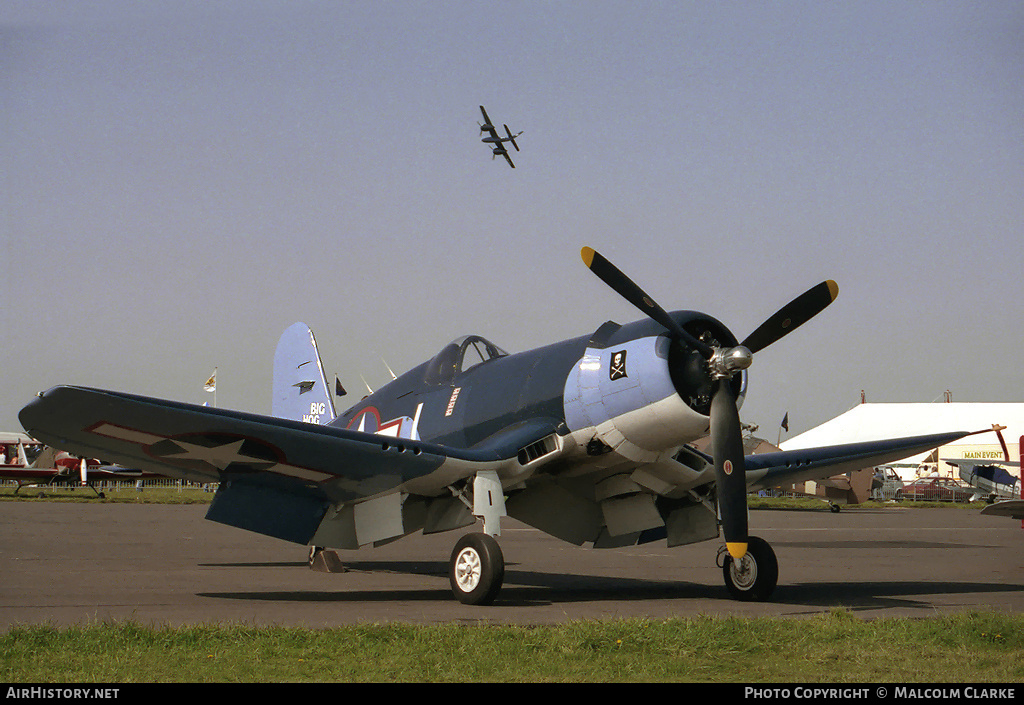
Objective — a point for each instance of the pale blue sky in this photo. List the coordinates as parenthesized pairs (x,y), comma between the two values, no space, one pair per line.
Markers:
(182,180)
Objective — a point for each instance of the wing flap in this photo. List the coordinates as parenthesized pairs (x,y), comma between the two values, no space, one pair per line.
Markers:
(286,513)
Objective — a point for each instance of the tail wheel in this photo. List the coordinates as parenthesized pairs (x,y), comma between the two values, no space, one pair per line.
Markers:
(477,569)
(753,577)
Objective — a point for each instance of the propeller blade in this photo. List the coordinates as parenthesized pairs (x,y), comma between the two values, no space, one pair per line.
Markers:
(793,315)
(730,468)
(723,363)
(627,289)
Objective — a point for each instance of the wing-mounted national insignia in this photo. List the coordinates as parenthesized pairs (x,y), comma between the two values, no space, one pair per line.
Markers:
(218,451)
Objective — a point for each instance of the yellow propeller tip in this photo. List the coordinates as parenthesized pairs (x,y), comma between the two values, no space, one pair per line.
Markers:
(833,289)
(737,550)
(587,253)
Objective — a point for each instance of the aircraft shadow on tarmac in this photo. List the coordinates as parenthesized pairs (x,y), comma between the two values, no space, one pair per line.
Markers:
(261,564)
(526,588)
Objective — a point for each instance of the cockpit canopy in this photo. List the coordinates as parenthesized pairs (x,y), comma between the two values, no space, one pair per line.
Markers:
(460,355)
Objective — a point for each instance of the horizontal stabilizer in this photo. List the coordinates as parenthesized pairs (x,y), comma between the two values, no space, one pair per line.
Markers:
(301,392)
(511,137)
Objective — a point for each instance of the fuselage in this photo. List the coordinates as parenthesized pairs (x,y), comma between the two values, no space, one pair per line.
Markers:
(448,402)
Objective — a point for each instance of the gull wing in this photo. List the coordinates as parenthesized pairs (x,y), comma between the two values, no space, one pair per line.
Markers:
(786,467)
(204,444)
(301,482)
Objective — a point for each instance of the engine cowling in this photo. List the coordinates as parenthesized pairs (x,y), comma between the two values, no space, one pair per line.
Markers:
(646,396)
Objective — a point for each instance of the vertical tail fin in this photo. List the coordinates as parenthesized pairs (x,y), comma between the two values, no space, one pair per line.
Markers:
(47,458)
(301,392)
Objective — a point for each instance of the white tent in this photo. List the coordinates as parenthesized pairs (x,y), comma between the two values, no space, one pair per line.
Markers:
(868,422)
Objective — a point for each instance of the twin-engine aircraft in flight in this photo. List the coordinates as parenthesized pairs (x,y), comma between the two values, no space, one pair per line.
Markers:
(492,138)
(586,439)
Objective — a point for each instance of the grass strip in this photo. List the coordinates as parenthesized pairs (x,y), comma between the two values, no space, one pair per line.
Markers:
(834,647)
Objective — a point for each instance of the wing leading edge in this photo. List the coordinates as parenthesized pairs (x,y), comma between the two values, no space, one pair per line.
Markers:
(278,477)
(766,470)
(335,487)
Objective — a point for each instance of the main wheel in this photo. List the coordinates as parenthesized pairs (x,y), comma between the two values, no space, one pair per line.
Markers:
(753,577)
(476,569)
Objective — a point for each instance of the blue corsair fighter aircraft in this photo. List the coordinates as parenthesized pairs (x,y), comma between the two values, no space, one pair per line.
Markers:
(585,439)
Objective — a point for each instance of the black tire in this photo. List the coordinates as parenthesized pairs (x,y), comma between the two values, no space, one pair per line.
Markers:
(476,569)
(757,574)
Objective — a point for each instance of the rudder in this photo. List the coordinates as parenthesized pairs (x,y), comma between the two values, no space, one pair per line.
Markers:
(300,388)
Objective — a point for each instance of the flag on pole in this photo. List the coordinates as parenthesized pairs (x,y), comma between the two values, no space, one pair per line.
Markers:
(784,426)
(211,384)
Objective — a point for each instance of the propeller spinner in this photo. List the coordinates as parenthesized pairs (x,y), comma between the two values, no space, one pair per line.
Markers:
(722,364)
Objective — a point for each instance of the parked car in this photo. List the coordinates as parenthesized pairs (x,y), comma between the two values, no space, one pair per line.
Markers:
(886,484)
(936,489)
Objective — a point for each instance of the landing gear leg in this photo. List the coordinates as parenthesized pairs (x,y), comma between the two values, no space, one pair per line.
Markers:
(753,577)
(477,569)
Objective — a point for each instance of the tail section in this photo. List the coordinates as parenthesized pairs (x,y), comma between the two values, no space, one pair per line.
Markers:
(301,392)
(47,457)
(511,137)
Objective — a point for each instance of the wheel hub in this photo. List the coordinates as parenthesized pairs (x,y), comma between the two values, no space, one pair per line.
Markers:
(467,570)
(744,572)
